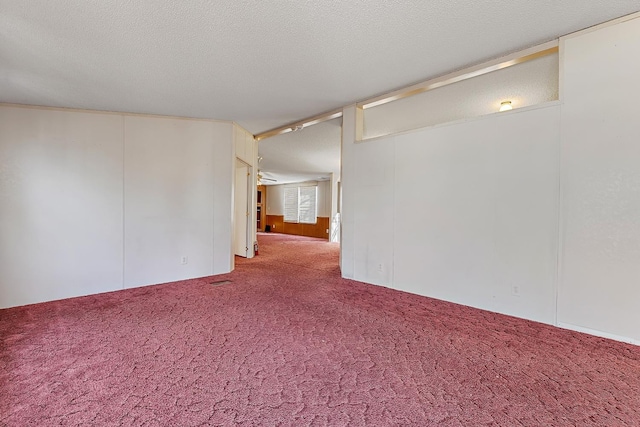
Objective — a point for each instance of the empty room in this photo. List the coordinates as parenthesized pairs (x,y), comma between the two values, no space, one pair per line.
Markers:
(285,213)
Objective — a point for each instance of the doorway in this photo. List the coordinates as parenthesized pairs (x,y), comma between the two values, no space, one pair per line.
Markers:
(242,209)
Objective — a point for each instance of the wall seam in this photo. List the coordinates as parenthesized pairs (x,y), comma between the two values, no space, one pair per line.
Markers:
(392,279)
(124,157)
(213,206)
(559,228)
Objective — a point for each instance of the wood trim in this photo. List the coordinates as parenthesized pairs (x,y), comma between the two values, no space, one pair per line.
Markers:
(292,127)
(319,229)
(465,74)
(456,76)
(601,25)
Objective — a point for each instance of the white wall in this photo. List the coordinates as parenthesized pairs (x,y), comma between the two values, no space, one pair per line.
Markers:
(224,167)
(246,150)
(463,213)
(367,215)
(348,156)
(599,285)
(476,213)
(241,224)
(479,212)
(324,198)
(168,198)
(61,178)
(94,202)
(334,235)
(245,145)
(275,200)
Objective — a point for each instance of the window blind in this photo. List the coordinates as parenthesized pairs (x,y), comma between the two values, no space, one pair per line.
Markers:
(300,204)
(307,204)
(291,204)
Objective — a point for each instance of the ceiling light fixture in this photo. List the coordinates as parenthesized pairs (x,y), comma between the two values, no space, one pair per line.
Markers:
(505,106)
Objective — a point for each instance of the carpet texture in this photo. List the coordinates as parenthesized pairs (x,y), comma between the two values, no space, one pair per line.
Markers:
(288,342)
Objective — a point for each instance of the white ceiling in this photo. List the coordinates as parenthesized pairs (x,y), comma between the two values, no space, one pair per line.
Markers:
(310,154)
(260,63)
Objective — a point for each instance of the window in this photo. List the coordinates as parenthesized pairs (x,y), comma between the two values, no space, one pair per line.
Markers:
(300,204)
(291,204)
(307,204)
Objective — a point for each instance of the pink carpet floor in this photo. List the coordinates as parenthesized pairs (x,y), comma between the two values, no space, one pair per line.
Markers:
(288,342)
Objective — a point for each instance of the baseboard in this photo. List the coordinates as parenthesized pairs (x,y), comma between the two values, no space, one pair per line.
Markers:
(597,333)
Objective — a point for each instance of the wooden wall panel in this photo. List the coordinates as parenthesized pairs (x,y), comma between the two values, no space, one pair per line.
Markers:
(276,222)
(319,229)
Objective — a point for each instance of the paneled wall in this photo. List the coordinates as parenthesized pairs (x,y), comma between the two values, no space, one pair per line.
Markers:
(246,150)
(470,215)
(599,287)
(61,204)
(533,213)
(168,204)
(93,202)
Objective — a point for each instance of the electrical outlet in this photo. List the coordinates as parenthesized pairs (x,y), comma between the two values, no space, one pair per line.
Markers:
(327,231)
(184,260)
(274,226)
(380,268)
(515,290)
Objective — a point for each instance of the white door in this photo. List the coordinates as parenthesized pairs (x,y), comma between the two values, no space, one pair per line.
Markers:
(241,216)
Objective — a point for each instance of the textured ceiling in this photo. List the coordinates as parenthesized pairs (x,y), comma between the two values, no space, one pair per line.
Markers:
(309,154)
(264,63)
(259,63)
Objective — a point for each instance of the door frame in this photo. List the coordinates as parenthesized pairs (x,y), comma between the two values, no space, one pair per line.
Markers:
(247,218)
